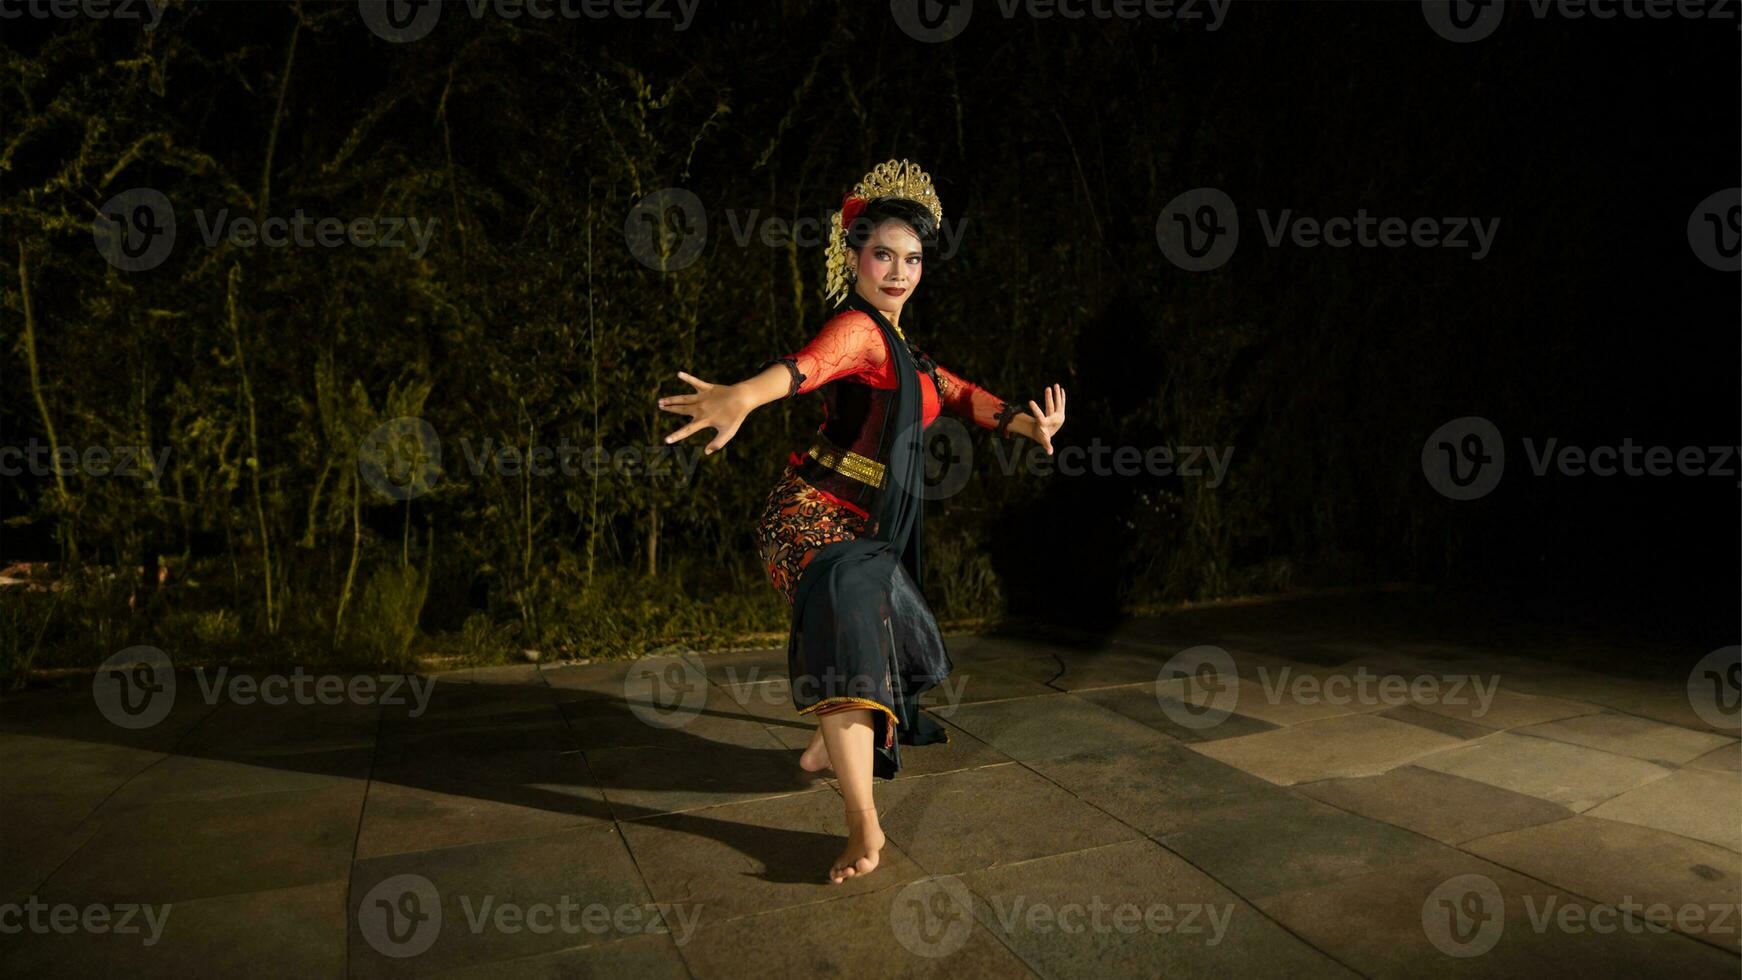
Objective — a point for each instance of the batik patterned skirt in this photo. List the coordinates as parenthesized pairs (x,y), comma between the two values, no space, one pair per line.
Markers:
(797,522)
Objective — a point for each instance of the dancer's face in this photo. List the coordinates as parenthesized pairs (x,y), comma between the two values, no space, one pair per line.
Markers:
(889,267)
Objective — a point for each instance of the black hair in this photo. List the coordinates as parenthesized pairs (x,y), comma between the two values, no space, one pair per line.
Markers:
(910,213)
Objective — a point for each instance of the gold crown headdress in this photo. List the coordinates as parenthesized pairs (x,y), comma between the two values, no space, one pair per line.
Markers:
(896,178)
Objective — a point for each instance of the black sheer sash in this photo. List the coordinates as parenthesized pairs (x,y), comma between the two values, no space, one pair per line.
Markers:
(861,629)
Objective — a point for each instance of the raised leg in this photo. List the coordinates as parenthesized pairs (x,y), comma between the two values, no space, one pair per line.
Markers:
(848,736)
(816,755)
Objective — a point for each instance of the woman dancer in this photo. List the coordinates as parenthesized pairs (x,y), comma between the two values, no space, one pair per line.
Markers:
(840,532)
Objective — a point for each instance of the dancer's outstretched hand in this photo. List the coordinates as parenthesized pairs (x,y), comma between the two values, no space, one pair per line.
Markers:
(718,407)
(1050,421)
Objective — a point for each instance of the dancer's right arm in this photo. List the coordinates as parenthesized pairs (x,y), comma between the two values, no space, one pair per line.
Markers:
(848,344)
(723,408)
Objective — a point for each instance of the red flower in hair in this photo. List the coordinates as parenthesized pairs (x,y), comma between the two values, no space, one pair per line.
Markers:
(850,208)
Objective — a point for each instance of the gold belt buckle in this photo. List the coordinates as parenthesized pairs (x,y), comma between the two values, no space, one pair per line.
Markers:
(847,462)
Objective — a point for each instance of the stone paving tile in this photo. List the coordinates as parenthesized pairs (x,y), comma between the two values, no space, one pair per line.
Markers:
(1504,708)
(1108,670)
(745,666)
(399,819)
(180,778)
(1140,702)
(51,784)
(646,780)
(1641,738)
(710,717)
(450,704)
(1037,660)
(24,866)
(1727,759)
(494,901)
(1693,803)
(770,702)
(1433,804)
(580,682)
(70,711)
(654,957)
(238,729)
(1046,727)
(187,849)
(891,932)
(1265,844)
(972,682)
(1449,914)
(747,858)
(965,821)
(1353,745)
(1272,698)
(1618,863)
(1571,775)
(1131,909)
(962,751)
(1155,788)
(498,755)
(1658,700)
(1413,715)
(288,932)
(1672,708)
(527,674)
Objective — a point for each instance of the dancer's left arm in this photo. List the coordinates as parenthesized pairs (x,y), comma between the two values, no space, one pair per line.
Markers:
(962,397)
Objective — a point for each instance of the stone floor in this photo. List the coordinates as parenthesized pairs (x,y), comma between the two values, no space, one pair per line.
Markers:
(1300,800)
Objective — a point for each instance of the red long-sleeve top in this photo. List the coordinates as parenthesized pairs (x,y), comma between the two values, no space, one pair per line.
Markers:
(850,348)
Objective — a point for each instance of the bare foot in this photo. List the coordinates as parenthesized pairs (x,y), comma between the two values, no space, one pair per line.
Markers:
(816,754)
(864,844)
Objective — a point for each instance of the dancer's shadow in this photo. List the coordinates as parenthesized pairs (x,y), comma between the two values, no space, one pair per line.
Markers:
(521,745)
